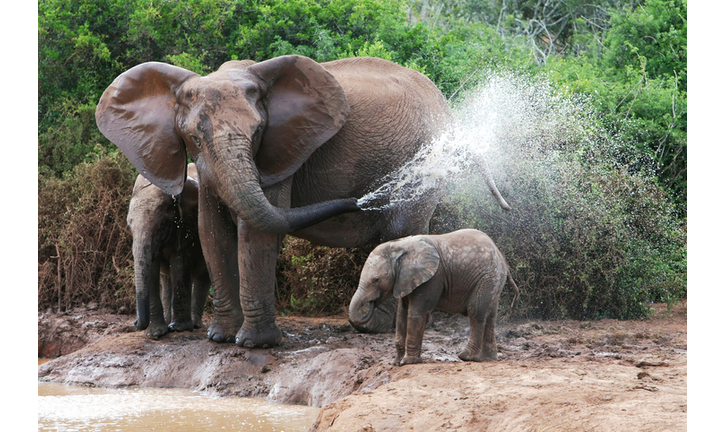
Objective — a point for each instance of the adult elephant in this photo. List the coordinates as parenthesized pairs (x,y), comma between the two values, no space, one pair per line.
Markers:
(282,146)
(172,281)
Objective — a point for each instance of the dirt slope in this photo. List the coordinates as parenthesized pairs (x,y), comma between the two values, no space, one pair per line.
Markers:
(553,375)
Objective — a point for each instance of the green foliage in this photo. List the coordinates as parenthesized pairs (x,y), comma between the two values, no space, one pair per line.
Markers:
(626,57)
(639,85)
(189,62)
(651,38)
(321,30)
(73,139)
(74,58)
(591,234)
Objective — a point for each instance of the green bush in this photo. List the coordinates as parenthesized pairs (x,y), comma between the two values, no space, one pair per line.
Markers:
(70,141)
(589,236)
(639,85)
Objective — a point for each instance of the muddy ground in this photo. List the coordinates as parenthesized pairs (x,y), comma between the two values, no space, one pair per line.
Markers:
(551,375)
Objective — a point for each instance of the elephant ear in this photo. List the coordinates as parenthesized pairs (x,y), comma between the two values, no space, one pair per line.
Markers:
(306,106)
(417,262)
(137,114)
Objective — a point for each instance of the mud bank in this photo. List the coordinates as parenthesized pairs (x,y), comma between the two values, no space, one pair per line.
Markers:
(564,375)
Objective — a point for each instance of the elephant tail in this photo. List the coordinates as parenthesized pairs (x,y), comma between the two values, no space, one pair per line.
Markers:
(515,288)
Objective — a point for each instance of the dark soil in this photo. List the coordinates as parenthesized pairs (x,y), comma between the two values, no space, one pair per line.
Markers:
(551,375)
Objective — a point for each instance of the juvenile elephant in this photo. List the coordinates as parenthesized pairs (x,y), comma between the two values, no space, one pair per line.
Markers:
(460,272)
(167,252)
(282,146)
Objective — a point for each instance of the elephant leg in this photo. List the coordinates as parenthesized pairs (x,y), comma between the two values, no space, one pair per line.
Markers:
(481,344)
(258,252)
(400,331)
(217,232)
(157,326)
(416,322)
(166,295)
(202,284)
(490,348)
(473,349)
(257,280)
(181,283)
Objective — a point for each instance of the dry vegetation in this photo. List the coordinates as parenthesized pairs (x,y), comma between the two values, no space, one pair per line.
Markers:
(84,247)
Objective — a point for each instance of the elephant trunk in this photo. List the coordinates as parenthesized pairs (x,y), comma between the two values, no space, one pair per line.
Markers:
(361,308)
(242,192)
(146,277)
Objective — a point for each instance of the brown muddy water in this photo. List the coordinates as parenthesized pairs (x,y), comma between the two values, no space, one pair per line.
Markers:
(72,408)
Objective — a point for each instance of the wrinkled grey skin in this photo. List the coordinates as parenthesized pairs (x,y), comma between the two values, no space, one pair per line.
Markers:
(172,282)
(460,272)
(283,146)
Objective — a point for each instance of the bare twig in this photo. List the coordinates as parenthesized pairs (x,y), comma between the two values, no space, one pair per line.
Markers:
(464,82)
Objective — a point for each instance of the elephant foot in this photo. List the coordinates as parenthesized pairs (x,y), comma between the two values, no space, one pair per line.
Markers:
(224,330)
(156,330)
(180,326)
(259,336)
(398,357)
(198,322)
(140,325)
(410,360)
(482,355)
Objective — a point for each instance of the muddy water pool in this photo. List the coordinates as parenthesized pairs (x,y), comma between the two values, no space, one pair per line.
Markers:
(71,408)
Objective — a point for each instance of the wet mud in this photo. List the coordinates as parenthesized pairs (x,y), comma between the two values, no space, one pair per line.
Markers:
(556,375)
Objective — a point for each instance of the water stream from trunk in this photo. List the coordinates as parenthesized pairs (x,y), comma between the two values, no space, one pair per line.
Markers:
(505,115)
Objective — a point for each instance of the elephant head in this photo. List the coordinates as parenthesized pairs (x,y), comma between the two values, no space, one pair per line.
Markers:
(394,269)
(247,126)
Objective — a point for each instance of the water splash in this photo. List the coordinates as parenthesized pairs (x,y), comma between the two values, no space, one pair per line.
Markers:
(456,151)
(503,112)
(427,170)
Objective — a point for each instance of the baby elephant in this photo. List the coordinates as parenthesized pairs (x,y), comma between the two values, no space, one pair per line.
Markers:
(460,272)
(167,257)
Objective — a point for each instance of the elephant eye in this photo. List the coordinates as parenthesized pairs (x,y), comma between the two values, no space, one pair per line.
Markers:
(375,279)
(196,140)
(252,92)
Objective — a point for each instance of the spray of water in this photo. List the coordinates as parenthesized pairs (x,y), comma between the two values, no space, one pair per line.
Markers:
(503,113)
(432,165)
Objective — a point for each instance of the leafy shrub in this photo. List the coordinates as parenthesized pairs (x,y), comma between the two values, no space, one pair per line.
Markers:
(639,85)
(317,280)
(72,140)
(590,235)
